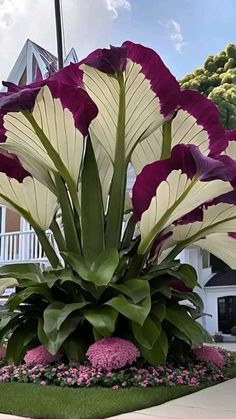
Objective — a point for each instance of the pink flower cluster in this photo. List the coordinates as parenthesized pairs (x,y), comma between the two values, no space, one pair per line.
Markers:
(210,355)
(112,353)
(78,376)
(2,353)
(40,355)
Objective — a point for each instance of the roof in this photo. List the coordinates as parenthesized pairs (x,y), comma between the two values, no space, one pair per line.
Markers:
(35,63)
(223,279)
(49,59)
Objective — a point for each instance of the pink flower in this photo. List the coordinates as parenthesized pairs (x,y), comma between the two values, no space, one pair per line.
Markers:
(40,355)
(69,380)
(193,382)
(2,353)
(112,353)
(210,355)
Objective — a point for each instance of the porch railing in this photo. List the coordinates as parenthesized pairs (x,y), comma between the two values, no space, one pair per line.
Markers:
(22,246)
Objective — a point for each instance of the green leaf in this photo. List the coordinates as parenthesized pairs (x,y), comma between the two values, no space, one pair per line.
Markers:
(92,215)
(60,275)
(103,319)
(162,268)
(75,348)
(22,271)
(7,283)
(67,310)
(136,312)
(206,336)
(158,353)
(180,318)
(9,326)
(18,298)
(148,333)
(41,334)
(136,289)
(162,285)
(183,272)
(50,315)
(4,320)
(100,271)
(187,274)
(56,314)
(174,331)
(56,337)
(193,297)
(20,338)
(158,311)
(128,234)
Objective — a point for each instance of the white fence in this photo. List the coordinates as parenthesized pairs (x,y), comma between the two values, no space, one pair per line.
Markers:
(22,246)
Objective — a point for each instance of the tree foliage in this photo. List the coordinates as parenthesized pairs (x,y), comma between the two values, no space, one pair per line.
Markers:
(217,80)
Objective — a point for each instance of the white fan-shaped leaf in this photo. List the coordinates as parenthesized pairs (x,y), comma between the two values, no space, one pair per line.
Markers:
(30,198)
(185,130)
(37,169)
(58,126)
(222,246)
(105,168)
(175,197)
(147,151)
(220,218)
(142,107)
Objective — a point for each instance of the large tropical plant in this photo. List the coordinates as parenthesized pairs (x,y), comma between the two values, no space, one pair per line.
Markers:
(67,144)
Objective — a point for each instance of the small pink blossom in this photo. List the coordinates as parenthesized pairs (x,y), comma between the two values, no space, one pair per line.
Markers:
(40,355)
(2,353)
(210,355)
(112,353)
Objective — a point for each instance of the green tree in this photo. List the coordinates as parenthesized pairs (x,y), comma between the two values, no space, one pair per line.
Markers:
(217,80)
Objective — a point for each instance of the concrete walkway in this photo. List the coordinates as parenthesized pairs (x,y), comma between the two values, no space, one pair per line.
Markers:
(4,416)
(229,346)
(217,402)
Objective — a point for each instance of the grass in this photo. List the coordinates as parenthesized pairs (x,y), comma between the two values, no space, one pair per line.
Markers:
(49,402)
(35,401)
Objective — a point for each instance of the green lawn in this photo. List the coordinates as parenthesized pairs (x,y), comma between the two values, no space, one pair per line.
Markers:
(49,402)
(35,401)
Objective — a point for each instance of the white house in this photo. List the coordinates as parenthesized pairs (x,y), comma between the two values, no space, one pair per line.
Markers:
(18,242)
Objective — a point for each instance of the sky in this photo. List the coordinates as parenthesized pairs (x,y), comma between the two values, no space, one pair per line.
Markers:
(183,32)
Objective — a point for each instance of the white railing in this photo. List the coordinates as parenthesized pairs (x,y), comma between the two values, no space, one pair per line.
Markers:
(22,246)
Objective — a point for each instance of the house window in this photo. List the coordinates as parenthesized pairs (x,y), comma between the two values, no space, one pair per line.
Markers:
(226,313)
(205,259)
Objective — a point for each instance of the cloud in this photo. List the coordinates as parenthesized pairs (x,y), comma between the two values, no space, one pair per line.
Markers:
(175,34)
(113,5)
(8,10)
(88,24)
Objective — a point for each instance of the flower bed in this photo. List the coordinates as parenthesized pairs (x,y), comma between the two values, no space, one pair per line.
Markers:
(73,375)
(87,376)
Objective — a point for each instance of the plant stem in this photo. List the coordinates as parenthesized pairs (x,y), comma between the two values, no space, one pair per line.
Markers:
(48,249)
(136,266)
(117,193)
(71,236)
(166,141)
(54,227)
